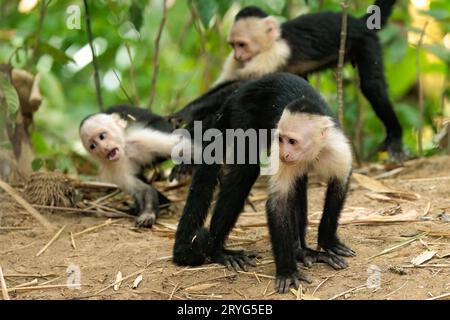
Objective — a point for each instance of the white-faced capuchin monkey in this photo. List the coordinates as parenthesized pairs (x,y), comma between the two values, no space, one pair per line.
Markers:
(310,43)
(126,140)
(310,141)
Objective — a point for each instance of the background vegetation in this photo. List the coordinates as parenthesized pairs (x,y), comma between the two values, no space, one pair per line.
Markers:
(192,49)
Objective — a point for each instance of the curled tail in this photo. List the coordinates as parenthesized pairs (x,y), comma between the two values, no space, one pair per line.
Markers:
(386,7)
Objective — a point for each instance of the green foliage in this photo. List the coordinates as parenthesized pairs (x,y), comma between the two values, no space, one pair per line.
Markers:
(191,54)
(10,103)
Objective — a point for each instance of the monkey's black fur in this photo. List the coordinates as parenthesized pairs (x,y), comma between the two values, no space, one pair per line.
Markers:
(142,116)
(257,104)
(205,105)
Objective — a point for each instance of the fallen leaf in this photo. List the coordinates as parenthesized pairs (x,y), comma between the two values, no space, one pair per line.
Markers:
(137,281)
(423,257)
(118,281)
(379,187)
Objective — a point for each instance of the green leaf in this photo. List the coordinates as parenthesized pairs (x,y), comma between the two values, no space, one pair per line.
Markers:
(57,54)
(11,101)
(276,5)
(136,14)
(40,145)
(37,164)
(440,51)
(438,14)
(223,6)
(206,10)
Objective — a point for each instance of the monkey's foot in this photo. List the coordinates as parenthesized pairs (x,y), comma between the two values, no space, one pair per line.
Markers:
(283,283)
(235,259)
(309,257)
(394,147)
(146,220)
(338,248)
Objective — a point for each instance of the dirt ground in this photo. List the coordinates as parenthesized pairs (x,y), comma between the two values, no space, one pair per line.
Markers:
(103,252)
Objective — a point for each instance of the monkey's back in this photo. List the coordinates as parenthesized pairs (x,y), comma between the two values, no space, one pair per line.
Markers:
(258,104)
(316,36)
(142,116)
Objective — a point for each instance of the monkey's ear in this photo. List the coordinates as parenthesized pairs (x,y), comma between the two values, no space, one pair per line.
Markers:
(326,126)
(272,28)
(119,121)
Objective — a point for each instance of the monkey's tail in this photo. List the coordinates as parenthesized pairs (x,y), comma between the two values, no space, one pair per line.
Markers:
(386,7)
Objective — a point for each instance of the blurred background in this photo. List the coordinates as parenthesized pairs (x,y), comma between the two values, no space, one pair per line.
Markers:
(49,39)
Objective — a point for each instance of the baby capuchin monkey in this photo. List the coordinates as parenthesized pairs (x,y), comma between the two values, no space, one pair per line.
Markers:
(126,140)
(310,43)
(310,141)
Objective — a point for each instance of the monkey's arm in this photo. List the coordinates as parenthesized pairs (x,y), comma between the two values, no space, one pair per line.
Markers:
(147,202)
(282,234)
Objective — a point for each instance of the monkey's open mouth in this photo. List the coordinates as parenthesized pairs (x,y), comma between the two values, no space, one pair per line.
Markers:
(113,155)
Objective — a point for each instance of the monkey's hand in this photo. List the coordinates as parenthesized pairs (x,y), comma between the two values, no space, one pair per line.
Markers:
(308,257)
(334,245)
(284,282)
(146,220)
(191,250)
(235,259)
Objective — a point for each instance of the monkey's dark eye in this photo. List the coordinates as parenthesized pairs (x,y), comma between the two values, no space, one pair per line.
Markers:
(280,139)
(92,146)
(292,141)
(240,44)
(102,136)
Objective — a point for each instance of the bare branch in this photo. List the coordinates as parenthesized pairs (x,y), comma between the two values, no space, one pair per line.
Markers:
(419,81)
(94,58)
(37,40)
(156,57)
(132,76)
(340,89)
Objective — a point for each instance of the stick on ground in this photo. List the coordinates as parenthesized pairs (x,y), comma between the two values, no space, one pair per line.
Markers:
(3,285)
(51,241)
(13,193)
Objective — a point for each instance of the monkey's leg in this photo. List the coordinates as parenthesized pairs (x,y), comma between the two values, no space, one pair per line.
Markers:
(192,240)
(283,233)
(148,206)
(302,252)
(334,202)
(373,86)
(235,186)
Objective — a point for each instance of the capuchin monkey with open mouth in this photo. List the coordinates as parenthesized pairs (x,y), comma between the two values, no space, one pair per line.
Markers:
(309,141)
(310,43)
(125,141)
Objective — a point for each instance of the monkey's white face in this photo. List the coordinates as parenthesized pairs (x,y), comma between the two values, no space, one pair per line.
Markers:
(103,137)
(251,36)
(293,148)
(301,137)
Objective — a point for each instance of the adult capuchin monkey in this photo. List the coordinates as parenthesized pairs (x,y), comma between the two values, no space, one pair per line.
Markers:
(125,141)
(310,43)
(309,141)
